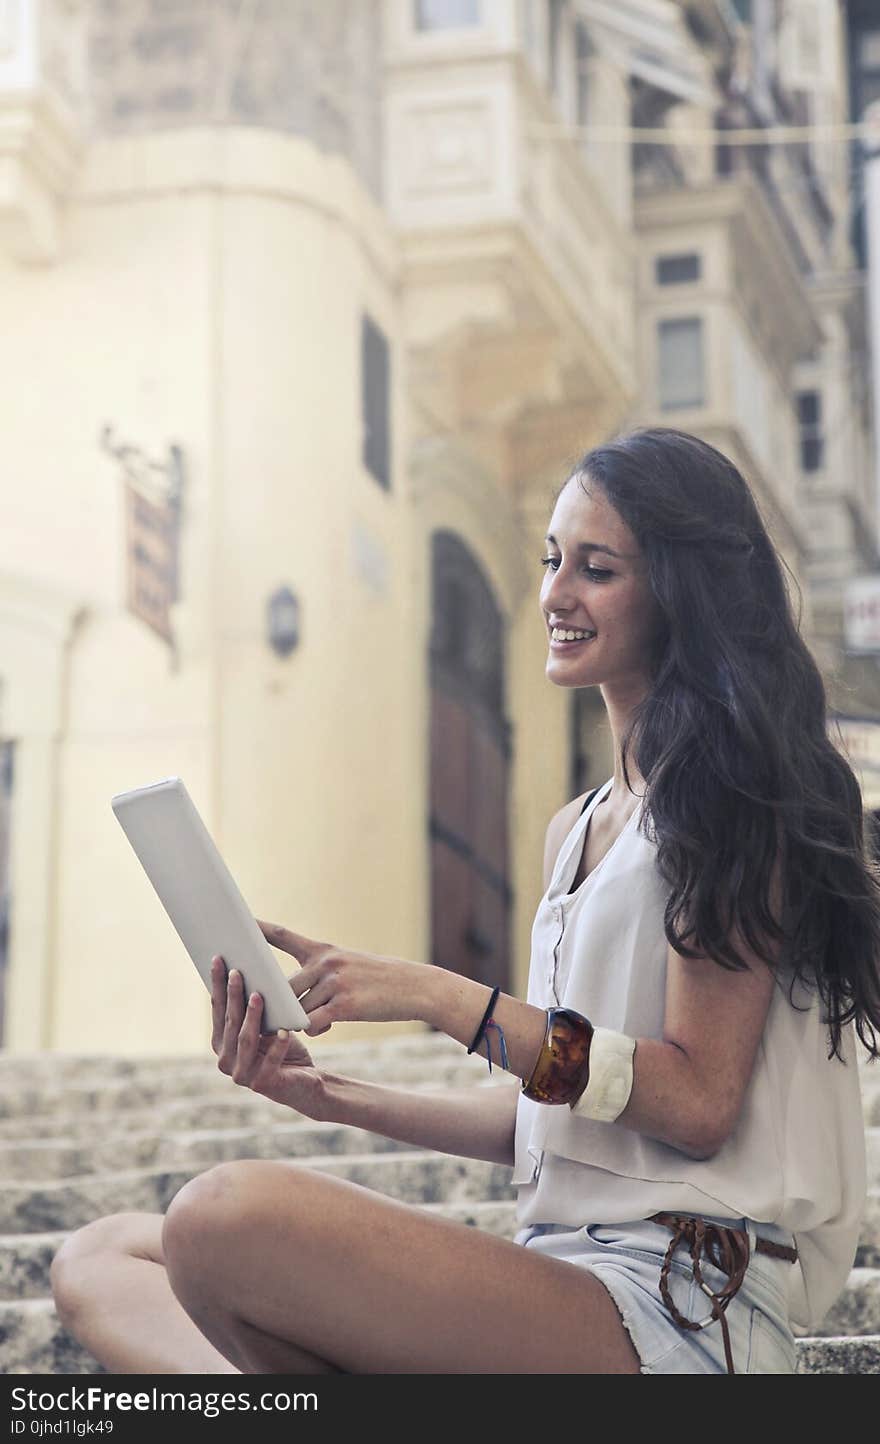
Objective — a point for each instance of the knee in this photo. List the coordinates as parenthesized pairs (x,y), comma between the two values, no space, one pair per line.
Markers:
(75,1267)
(206,1211)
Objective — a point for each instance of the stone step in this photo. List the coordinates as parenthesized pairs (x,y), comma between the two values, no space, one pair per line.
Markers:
(857,1311)
(32,1341)
(28,1071)
(839,1356)
(66,1066)
(31,1069)
(25,1258)
(56,1158)
(327,1049)
(86,1137)
(414,1177)
(239,1110)
(236,1107)
(232,1108)
(37,1204)
(97,1097)
(187,1153)
(77,1111)
(47,1090)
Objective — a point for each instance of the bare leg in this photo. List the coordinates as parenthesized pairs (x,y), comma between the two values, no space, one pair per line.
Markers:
(112,1293)
(369,1285)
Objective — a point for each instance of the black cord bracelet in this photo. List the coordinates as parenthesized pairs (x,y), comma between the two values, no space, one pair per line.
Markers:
(478,1036)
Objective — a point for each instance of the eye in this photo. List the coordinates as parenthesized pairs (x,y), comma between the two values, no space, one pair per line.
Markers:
(596,574)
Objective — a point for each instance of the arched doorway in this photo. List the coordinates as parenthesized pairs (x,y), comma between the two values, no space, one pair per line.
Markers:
(469,762)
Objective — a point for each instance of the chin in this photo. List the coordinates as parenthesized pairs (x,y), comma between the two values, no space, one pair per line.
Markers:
(571,678)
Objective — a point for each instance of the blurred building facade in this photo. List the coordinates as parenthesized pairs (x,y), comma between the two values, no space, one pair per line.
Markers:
(307,311)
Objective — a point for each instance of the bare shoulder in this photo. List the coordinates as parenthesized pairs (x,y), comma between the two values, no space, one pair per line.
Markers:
(558,828)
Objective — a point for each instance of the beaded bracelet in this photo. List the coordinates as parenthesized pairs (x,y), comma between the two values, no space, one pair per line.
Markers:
(562,1071)
(502,1043)
(478,1036)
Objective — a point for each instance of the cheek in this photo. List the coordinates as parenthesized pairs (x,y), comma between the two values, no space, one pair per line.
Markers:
(624,623)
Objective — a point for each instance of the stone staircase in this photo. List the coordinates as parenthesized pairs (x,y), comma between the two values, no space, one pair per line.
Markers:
(85,1137)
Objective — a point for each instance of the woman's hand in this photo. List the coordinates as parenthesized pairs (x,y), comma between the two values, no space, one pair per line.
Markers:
(336,985)
(276,1065)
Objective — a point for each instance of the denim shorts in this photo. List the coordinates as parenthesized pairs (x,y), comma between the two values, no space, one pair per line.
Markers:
(627,1259)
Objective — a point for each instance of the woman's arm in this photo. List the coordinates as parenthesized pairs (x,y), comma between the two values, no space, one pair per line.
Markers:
(688,1086)
(476,1122)
(470,1122)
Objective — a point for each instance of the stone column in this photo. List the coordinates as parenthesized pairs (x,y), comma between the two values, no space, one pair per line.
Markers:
(42,97)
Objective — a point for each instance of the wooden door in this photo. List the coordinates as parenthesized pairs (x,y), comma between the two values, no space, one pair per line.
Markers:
(469,764)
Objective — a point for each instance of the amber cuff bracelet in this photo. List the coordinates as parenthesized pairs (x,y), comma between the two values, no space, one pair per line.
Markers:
(562,1071)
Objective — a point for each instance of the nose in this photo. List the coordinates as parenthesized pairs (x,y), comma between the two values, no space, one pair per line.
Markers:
(554,592)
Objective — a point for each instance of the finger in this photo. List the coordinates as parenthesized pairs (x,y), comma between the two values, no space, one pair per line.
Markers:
(299,946)
(308,976)
(267,1073)
(297,1052)
(235,1006)
(218,1002)
(320,1021)
(318,995)
(247,1059)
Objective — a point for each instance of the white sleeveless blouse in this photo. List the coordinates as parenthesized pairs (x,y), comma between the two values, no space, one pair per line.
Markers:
(797,1154)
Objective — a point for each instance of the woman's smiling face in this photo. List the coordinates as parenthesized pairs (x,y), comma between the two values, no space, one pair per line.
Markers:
(596,579)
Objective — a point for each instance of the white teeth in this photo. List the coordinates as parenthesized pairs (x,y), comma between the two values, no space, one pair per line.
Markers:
(560,636)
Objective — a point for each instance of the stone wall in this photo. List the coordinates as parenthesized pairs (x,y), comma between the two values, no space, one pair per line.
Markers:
(307,67)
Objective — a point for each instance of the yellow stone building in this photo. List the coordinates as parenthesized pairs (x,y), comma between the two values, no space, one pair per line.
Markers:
(380,273)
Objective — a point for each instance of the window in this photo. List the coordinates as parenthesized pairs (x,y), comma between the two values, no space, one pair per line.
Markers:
(374,401)
(554,31)
(809,414)
(527,23)
(868,45)
(680,363)
(673,270)
(446,14)
(583,51)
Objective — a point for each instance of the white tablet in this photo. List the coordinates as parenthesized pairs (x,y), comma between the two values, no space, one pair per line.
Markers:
(200,896)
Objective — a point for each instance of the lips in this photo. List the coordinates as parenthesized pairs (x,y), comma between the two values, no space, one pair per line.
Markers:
(560,646)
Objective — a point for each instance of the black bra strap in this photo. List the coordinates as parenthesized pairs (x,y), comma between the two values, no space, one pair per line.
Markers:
(587,801)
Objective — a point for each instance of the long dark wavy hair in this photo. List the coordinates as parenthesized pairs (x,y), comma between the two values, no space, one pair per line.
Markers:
(732,738)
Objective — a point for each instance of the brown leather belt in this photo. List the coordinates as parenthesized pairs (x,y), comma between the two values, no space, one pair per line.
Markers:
(728,1250)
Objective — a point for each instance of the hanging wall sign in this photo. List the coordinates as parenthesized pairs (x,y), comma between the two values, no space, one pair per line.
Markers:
(861,614)
(153,497)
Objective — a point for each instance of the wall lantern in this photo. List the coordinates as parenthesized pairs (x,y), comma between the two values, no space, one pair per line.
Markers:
(283,612)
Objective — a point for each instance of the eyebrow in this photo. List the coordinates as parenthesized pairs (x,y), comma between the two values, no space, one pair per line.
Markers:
(589,547)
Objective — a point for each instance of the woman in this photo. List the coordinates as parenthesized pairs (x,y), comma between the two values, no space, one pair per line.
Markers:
(704,952)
